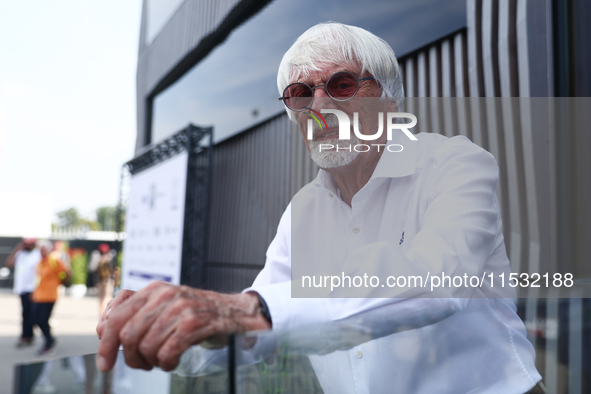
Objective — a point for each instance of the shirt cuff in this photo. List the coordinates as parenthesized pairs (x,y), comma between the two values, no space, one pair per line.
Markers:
(287,312)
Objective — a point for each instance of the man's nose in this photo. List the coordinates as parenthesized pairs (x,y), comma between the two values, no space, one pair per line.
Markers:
(321,99)
(320,91)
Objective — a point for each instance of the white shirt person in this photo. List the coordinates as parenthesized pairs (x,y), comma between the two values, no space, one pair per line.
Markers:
(25,258)
(367,214)
(25,270)
(406,222)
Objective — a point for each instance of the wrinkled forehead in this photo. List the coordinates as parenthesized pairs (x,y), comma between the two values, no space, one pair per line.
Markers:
(320,71)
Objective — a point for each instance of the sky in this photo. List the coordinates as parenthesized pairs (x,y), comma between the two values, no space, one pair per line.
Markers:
(67,99)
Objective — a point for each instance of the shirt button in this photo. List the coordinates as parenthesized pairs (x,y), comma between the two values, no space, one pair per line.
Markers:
(359,354)
(330,195)
(356,229)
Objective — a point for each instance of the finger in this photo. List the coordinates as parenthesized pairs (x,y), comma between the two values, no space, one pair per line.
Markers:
(136,360)
(109,345)
(150,345)
(134,331)
(159,332)
(121,297)
(179,313)
(170,352)
(102,320)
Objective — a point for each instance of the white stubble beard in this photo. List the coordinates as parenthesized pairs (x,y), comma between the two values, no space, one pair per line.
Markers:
(331,158)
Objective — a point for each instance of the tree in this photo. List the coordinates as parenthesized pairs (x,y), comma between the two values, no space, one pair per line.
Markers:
(68,218)
(106,218)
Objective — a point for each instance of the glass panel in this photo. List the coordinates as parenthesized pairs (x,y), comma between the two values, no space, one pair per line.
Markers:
(360,354)
(79,374)
(350,356)
(235,86)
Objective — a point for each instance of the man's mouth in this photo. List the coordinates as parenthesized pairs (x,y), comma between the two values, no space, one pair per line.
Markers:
(327,135)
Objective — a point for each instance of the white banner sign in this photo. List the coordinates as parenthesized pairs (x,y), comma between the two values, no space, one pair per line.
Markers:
(154,224)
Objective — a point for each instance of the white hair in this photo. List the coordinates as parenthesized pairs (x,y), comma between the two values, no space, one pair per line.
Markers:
(45,243)
(337,43)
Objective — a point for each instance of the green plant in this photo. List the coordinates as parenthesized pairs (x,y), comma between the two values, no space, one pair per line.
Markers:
(106,218)
(71,219)
(79,264)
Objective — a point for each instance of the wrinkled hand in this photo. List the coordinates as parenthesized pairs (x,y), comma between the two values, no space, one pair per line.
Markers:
(157,324)
(121,297)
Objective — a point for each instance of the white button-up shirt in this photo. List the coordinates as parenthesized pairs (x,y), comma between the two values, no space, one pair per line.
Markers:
(25,271)
(432,208)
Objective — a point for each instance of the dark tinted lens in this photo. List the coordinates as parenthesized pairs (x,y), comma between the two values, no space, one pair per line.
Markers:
(298,96)
(342,85)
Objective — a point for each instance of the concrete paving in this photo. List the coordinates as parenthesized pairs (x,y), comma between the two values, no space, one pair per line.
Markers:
(73,323)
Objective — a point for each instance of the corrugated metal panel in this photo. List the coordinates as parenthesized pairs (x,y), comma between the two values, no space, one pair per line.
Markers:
(492,59)
(255,175)
(527,138)
(250,190)
(511,132)
(460,68)
(482,62)
(449,111)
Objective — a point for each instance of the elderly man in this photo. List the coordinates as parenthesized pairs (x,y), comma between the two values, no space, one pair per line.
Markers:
(25,258)
(384,203)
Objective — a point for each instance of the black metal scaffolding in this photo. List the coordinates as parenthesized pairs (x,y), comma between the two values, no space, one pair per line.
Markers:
(198,143)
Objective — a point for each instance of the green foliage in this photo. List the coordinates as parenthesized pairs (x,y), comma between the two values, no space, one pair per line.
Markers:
(68,218)
(92,225)
(79,264)
(119,259)
(122,219)
(106,218)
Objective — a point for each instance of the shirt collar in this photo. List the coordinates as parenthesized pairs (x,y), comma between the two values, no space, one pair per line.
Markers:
(395,163)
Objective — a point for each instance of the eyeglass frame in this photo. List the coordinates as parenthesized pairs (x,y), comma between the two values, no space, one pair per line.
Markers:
(313,89)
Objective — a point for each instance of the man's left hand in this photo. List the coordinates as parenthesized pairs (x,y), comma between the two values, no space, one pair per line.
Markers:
(157,324)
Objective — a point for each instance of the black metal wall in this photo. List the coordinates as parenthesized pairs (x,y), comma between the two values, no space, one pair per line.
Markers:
(250,190)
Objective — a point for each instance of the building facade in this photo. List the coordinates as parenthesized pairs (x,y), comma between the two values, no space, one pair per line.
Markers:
(511,75)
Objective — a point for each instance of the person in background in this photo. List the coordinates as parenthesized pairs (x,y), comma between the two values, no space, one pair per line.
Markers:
(102,263)
(117,280)
(51,272)
(25,258)
(59,252)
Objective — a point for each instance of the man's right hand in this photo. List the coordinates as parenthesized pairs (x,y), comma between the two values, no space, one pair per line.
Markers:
(121,297)
(158,323)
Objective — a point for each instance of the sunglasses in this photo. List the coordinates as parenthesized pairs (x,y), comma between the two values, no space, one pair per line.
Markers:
(341,86)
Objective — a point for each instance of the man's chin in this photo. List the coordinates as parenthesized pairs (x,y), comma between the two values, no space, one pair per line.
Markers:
(334,142)
(330,158)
